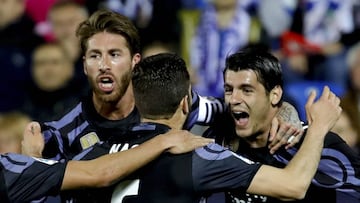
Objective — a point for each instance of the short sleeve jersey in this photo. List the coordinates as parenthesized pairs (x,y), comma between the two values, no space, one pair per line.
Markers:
(25,179)
(188,177)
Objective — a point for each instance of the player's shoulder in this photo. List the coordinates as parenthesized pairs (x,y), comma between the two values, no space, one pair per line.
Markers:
(214,152)
(13,158)
(72,116)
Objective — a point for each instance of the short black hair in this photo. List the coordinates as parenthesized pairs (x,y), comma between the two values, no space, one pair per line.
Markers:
(259,59)
(159,83)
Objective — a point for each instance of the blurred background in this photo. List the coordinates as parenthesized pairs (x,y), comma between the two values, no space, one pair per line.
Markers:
(316,41)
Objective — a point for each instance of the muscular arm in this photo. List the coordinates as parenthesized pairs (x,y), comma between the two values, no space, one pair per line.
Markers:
(293,181)
(107,169)
(110,168)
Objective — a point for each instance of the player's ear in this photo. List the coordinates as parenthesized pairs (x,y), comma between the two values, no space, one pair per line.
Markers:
(185,105)
(84,66)
(135,59)
(275,95)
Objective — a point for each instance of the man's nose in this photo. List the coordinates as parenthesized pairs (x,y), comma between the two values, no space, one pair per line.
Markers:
(236,97)
(104,64)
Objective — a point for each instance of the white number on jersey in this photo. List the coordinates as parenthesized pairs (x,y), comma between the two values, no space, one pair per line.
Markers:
(125,188)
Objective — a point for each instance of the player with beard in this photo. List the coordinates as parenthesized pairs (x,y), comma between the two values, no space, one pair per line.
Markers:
(162,94)
(253,92)
(111,47)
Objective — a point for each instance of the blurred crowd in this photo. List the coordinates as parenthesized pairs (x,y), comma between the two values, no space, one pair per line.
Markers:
(315,40)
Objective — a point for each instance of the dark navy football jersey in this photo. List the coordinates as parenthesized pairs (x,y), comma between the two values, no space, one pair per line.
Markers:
(337,179)
(25,179)
(188,177)
(82,127)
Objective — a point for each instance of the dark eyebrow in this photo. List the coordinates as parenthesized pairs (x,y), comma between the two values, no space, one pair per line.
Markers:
(227,85)
(93,51)
(241,86)
(246,85)
(115,50)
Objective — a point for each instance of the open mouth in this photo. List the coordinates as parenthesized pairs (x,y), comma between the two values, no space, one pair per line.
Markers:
(240,115)
(106,84)
(241,119)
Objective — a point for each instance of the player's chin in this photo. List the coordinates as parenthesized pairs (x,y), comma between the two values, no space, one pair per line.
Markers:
(109,97)
(242,132)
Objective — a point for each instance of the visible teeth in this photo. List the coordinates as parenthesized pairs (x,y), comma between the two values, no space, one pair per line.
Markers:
(237,113)
(105,80)
(107,85)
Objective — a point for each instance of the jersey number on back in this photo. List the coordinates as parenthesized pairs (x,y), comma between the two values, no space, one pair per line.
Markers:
(125,188)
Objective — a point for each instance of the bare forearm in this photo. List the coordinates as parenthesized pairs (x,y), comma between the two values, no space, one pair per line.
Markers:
(110,168)
(322,115)
(293,181)
(305,163)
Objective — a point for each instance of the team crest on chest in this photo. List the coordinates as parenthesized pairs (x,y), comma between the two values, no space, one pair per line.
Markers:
(89,140)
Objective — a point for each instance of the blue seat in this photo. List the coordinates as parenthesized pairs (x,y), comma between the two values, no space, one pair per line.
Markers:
(297,93)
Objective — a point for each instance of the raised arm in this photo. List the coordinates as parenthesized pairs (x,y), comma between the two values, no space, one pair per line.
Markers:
(293,181)
(107,169)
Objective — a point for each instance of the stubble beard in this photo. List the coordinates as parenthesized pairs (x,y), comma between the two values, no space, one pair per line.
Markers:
(117,94)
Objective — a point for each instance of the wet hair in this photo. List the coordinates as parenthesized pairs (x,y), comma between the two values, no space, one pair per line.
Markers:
(111,22)
(266,66)
(160,82)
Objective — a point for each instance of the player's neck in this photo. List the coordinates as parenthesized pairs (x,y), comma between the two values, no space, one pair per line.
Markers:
(175,122)
(171,124)
(258,141)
